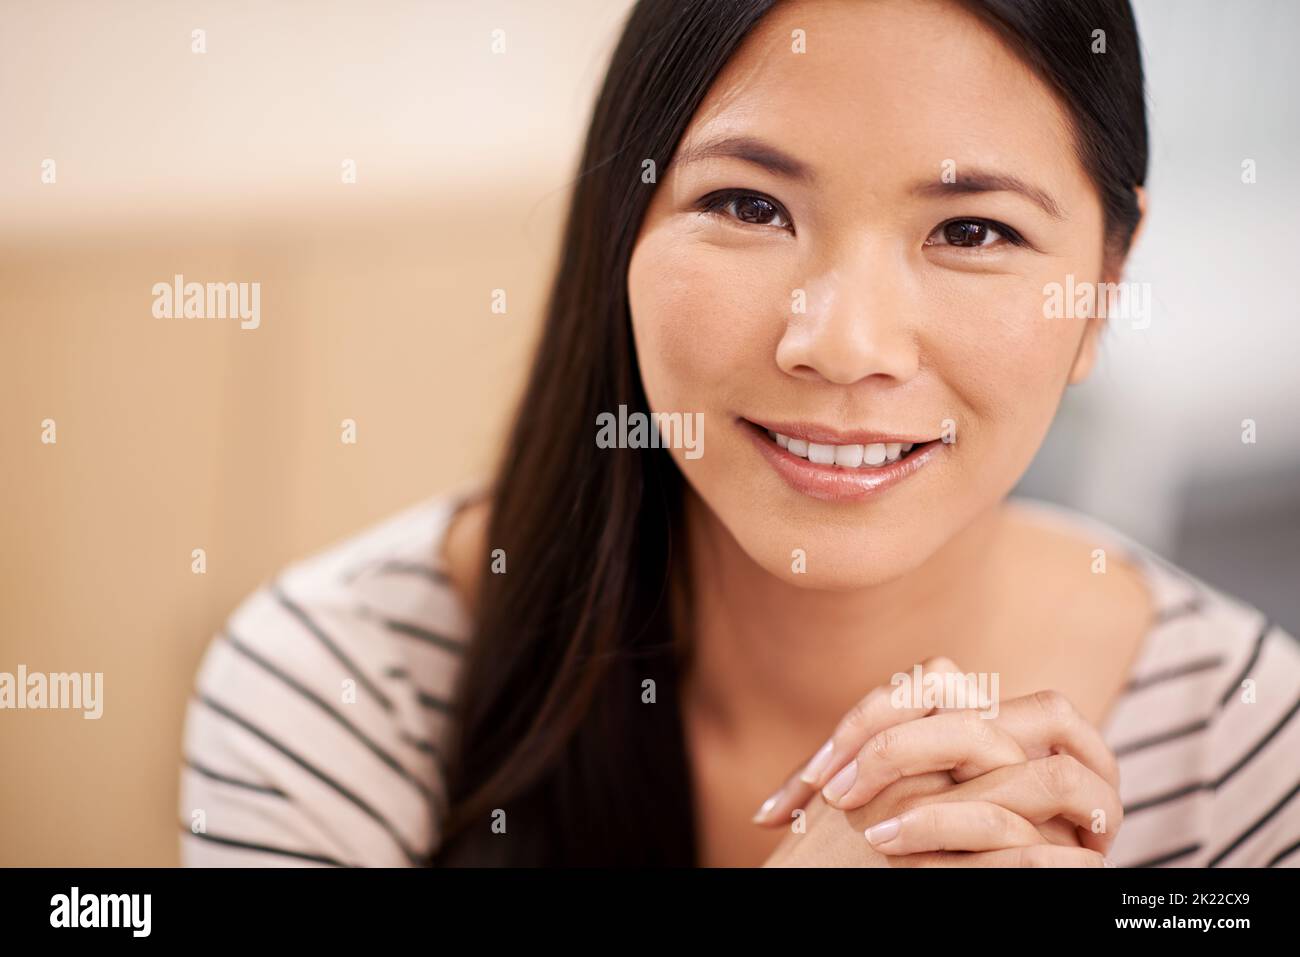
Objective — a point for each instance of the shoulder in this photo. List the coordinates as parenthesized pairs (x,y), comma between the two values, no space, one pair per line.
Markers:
(465,548)
(1206,730)
(1209,753)
(323,708)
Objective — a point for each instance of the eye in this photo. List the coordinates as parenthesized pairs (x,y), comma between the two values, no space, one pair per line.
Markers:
(752,209)
(973,234)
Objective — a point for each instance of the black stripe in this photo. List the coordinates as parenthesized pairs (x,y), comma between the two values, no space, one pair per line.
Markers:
(396,567)
(1260,745)
(428,747)
(1177,671)
(1170,856)
(226,779)
(1168,796)
(1162,738)
(325,706)
(1215,785)
(1245,835)
(316,773)
(1190,607)
(1284,853)
(426,698)
(434,702)
(1250,663)
(423,634)
(333,648)
(263,848)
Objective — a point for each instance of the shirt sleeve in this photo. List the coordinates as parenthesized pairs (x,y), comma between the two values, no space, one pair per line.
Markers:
(1255,775)
(319,722)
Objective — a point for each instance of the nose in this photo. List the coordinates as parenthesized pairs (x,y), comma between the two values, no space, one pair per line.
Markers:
(854,325)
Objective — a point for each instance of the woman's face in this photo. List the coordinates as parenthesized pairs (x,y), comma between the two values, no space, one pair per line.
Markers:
(863,258)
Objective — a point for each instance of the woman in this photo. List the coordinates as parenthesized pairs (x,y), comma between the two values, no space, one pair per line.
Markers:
(822,234)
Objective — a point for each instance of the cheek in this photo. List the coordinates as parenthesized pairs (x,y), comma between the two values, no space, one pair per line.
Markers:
(997,351)
(699,318)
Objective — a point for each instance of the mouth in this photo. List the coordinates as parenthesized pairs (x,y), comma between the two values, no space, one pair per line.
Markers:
(832,465)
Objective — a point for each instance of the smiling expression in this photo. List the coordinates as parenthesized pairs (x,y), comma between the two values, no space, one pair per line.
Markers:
(850,249)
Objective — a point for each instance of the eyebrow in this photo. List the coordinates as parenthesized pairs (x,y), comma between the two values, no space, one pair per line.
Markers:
(750,150)
(758,153)
(987,181)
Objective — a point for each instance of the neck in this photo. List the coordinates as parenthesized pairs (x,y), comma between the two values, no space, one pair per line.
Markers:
(774,658)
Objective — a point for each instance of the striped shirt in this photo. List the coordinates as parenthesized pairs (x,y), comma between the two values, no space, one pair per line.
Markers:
(321,715)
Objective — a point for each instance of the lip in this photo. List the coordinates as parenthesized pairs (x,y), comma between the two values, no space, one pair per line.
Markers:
(811,432)
(831,483)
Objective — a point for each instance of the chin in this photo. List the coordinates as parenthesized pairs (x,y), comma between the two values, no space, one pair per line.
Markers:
(843,548)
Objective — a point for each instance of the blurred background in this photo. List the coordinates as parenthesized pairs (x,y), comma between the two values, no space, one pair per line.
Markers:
(228,164)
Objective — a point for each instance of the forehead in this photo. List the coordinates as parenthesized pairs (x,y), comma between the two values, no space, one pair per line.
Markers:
(888,90)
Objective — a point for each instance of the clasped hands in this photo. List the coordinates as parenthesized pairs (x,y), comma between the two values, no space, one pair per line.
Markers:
(1032,785)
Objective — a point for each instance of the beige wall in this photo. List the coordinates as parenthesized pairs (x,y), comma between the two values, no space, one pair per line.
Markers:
(177,434)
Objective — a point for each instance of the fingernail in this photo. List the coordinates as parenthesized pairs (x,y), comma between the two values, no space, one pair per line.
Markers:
(818,763)
(839,785)
(768,807)
(884,831)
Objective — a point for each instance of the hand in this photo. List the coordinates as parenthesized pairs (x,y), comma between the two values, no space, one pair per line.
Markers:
(1037,773)
(831,837)
(824,836)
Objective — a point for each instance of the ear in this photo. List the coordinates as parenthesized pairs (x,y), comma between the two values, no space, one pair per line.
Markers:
(1086,357)
(1141,193)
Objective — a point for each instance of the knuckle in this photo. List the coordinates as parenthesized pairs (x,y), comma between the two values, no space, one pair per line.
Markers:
(939,663)
(1055,706)
(1059,773)
(922,819)
(978,730)
(989,819)
(882,746)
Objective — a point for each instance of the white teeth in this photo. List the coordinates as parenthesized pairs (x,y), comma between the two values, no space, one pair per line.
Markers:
(843,456)
(821,454)
(848,456)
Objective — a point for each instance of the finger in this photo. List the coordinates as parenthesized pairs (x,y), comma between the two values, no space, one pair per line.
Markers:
(875,712)
(1046,722)
(954,740)
(953,826)
(880,709)
(1042,788)
(1033,855)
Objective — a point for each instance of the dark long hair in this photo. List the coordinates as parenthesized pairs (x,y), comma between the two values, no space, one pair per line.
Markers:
(568,715)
